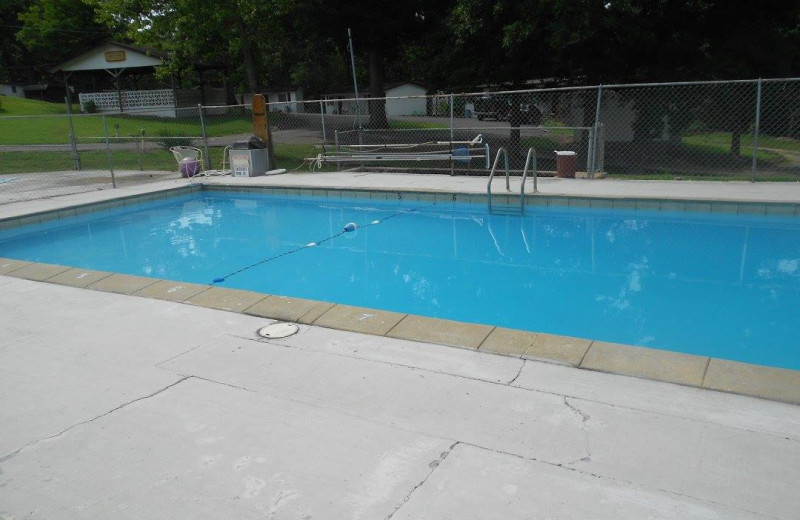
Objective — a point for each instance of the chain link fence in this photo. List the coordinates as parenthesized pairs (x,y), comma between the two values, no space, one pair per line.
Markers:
(717,130)
(710,130)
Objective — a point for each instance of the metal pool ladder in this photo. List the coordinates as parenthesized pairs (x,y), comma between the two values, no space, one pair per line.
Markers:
(529,160)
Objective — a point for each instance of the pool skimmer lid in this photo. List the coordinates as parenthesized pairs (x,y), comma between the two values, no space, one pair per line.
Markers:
(278,330)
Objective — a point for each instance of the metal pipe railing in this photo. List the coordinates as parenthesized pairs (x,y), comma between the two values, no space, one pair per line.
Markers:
(503,151)
(531,156)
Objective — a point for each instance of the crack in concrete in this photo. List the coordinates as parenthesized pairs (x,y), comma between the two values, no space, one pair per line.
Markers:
(584,417)
(599,476)
(224,384)
(326,408)
(176,356)
(65,430)
(433,465)
(381,362)
(518,373)
(523,388)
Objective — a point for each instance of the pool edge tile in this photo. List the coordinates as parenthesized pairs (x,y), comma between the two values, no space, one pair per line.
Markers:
(224,299)
(660,365)
(315,313)
(441,332)
(38,272)
(122,283)
(9,265)
(359,319)
(772,383)
(171,291)
(287,308)
(537,346)
(76,277)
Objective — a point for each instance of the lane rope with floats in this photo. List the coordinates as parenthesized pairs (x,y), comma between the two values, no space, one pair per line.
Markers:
(348,228)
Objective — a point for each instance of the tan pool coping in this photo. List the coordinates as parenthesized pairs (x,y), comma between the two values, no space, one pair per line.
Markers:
(697,371)
(661,365)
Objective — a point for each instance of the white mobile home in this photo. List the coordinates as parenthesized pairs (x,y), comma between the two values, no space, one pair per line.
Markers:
(343,102)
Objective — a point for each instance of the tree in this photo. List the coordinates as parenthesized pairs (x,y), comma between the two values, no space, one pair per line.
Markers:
(748,39)
(56,30)
(15,62)
(381,30)
(193,31)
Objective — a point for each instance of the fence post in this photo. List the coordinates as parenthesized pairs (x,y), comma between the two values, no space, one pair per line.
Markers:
(322,116)
(207,161)
(452,167)
(76,159)
(600,148)
(755,132)
(596,130)
(108,154)
(336,142)
(141,149)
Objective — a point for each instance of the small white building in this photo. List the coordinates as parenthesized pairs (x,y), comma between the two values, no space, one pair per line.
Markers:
(285,99)
(412,104)
(12,90)
(415,103)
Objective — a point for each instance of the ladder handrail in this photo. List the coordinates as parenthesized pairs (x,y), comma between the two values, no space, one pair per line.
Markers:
(531,155)
(491,174)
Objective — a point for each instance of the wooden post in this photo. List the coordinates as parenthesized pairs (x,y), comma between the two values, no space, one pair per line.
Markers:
(261,126)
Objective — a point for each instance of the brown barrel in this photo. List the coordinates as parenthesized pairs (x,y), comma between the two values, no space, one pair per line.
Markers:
(565,164)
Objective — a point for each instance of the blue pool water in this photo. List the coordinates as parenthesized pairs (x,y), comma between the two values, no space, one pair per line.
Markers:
(715,285)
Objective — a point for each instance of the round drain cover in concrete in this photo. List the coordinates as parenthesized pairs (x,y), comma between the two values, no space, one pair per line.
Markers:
(278,330)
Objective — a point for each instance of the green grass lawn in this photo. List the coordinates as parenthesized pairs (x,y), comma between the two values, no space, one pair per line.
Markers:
(52,124)
(55,129)
(760,177)
(720,143)
(14,106)
(406,124)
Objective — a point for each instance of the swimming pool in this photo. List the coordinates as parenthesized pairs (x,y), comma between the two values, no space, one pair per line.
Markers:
(725,286)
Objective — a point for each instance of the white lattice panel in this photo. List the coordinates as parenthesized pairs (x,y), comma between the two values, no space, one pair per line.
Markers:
(131,99)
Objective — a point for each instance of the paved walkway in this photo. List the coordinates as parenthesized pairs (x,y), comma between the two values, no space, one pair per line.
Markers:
(123,407)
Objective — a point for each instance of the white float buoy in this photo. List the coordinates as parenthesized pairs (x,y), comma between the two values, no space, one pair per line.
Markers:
(311,244)
(375,222)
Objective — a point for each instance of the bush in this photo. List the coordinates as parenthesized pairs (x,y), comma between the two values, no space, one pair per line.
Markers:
(90,107)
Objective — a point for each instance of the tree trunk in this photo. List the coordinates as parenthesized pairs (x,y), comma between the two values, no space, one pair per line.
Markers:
(736,143)
(249,58)
(377,107)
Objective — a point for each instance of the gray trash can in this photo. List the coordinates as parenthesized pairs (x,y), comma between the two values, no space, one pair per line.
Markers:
(249,158)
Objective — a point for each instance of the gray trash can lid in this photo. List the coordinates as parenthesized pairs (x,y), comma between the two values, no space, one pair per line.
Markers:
(254,143)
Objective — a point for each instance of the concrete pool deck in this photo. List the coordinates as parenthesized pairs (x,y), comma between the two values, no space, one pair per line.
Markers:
(122,406)
(733,191)
(118,406)
(692,370)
